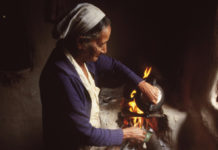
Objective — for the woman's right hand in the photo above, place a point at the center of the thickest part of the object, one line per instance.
(134, 133)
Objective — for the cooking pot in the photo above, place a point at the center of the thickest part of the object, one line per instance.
(145, 104)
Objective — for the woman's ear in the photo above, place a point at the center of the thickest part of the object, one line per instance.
(82, 42)
(79, 42)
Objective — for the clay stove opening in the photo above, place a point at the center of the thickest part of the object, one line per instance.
(124, 105)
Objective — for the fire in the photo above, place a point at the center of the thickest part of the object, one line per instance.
(147, 72)
(139, 121)
(136, 121)
(132, 104)
(133, 107)
(152, 122)
(133, 94)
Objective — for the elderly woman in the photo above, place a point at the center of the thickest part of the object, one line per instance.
(69, 83)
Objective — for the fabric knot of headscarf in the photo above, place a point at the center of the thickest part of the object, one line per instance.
(79, 20)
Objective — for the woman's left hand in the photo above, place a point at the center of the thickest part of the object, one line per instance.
(151, 91)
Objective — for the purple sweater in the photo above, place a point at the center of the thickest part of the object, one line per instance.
(66, 104)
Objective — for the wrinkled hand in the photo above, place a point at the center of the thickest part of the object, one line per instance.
(134, 133)
(151, 91)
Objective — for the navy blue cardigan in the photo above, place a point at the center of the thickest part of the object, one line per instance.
(66, 104)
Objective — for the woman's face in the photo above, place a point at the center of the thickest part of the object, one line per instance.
(95, 48)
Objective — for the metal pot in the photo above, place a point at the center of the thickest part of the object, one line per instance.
(145, 104)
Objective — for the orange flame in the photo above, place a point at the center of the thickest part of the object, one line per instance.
(133, 107)
(132, 95)
(136, 121)
(125, 122)
(139, 121)
(147, 72)
(151, 122)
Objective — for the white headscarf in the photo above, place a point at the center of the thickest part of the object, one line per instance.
(80, 20)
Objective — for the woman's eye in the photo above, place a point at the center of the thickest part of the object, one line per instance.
(101, 45)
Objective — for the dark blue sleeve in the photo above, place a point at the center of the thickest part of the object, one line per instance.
(108, 64)
(79, 118)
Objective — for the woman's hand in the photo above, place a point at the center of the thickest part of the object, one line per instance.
(134, 133)
(151, 91)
